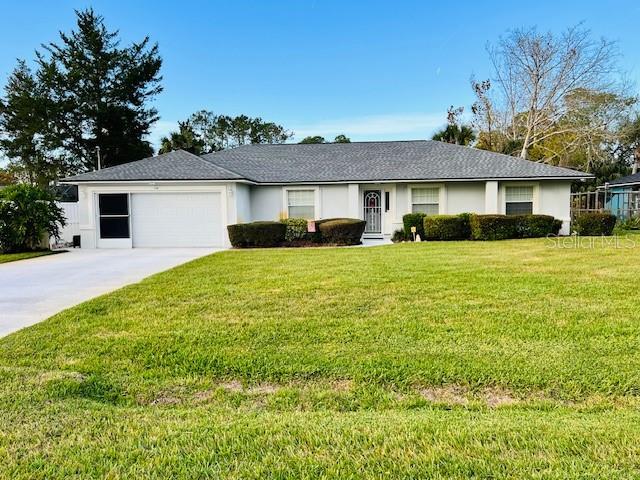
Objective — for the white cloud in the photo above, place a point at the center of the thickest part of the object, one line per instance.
(160, 129)
(397, 126)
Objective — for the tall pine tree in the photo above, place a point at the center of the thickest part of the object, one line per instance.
(101, 93)
(24, 139)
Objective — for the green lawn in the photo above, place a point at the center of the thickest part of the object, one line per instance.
(512, 359)
(12, 257)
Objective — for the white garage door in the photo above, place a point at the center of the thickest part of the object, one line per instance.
(176, 220)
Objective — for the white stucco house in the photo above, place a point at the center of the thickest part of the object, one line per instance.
(182, 200)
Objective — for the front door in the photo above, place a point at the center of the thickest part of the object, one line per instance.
(373, 211)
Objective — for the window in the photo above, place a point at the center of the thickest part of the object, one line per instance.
(518, 200)
(114, 215)
(301, 204)
(66, 193)
(425, 200)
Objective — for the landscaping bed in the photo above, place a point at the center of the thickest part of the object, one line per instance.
(297, 232)
(471, 226)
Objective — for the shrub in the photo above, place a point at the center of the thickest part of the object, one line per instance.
(398, 236)
(341, 231)
(447, 227)
(502, 227)
(557, 226)
(257, 234)
(28, 216)
(594, 223)
(632, 223)
(413, 220)
(493, 227)
(296, 229)
(532, 226)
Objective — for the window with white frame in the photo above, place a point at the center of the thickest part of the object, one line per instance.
(301, 204)
(425, 200)
(518, 200)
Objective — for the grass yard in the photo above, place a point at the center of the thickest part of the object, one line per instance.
(512, 359)
(13, 257)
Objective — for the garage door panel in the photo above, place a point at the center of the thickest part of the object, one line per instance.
(177, 219)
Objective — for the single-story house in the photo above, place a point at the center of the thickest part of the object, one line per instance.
(179, 199)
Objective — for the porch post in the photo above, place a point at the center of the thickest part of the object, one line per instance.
(491, 197)
(353, 201)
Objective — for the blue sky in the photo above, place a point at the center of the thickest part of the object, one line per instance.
(372, 70)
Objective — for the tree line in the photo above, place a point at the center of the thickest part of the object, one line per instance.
(86, 99)
(559, 99)
(205, 132)
(86, 103)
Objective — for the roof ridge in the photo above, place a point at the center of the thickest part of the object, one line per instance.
(327, 143)
(226, 169)
(209, 164)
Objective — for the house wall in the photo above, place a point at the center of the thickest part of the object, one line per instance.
(550, 198)
(345, 200)
(243, 203)
(463, 197)
(456, 197)
(266, 202)
(334, 201)
(555, 199)
(88, 208)
(402, 205)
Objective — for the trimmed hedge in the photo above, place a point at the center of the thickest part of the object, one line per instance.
(494, 227)
(296, 229)
(257, 234)
(502, 227)
(341, 231)
(290, 232)
(532, 226)
(594, 223)
(447, 227)
(413, 220)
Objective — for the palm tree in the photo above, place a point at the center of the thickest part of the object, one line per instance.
(458, 134)
(184, 139)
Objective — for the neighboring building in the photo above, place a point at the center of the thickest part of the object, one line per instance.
(622, 196)
(179, 199)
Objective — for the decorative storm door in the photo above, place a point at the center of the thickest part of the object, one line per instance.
(373, 211)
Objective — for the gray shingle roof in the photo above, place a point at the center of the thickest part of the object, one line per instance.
(374, 161)
(176, 165)
(333, 162)
(635, 178)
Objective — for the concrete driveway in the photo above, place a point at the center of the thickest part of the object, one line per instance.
(33, 290)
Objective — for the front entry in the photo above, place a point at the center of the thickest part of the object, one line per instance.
(373, 212)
